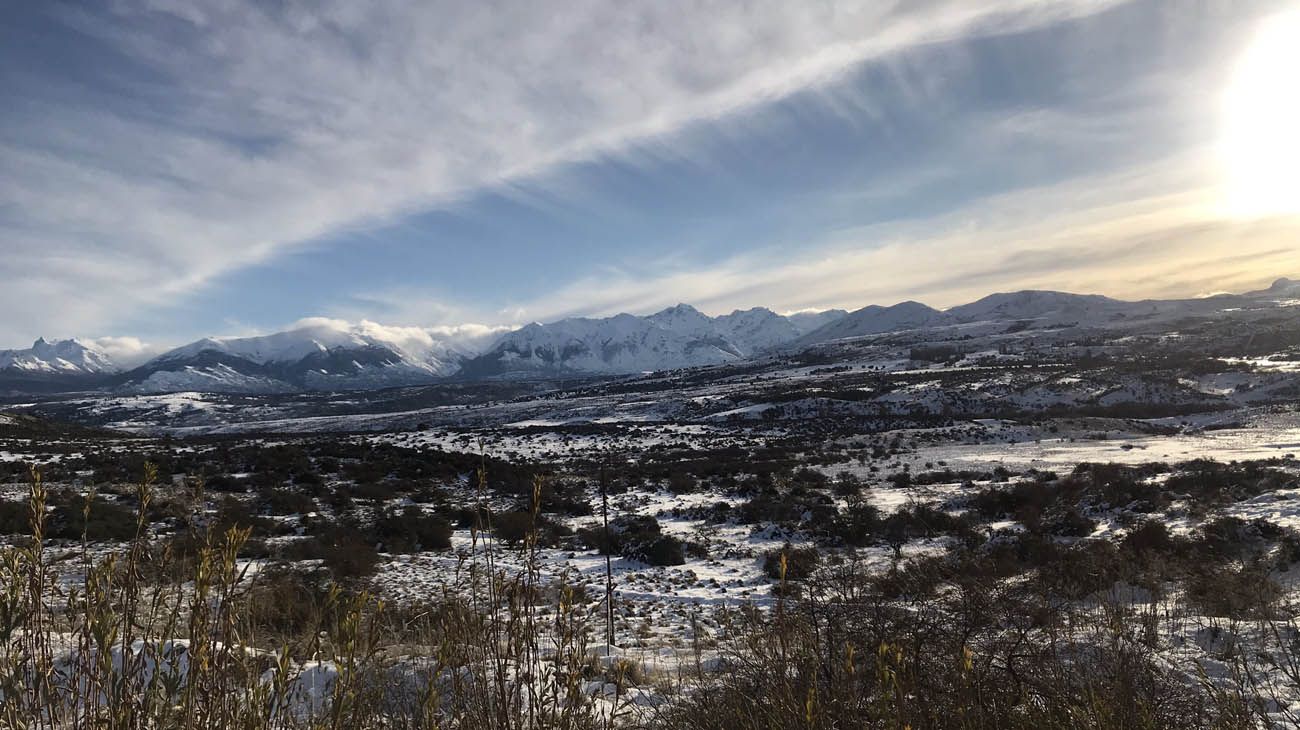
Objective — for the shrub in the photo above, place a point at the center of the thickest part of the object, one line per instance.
(411, 530)
(632, 530)
(847, 484)
(283, 602)
(858, 525)
(799, 562)
(105, 521)
(697, 550)
(512, 527)
(1226, 538)
(284, 501)
(1072, 523)
(637, 537)
(901, 480)
(661, 551)
(233, 512)
(14, 518)
(679, 482)
(1151, 537)
(1082, 570)
(347, 554)
(565, 497)
(1237, 592)
(920, 521)
(224, 483)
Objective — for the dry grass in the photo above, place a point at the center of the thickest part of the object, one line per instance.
(156, 637)
(179, 635)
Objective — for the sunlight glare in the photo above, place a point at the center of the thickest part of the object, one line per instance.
(1260, 146)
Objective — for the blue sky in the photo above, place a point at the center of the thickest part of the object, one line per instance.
(171, 169)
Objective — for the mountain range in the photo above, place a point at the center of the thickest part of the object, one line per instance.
(317, 355)
(676, 337)
(321, 354)
(59, 357)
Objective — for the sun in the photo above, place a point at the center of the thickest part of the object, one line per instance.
(1260, 143)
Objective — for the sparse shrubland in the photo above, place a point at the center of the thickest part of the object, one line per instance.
(207, 643)
(1026, 601)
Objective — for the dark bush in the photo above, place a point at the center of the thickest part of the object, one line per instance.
(1235, 592)
(1080, 571)
(1152, 537)
(1072, 523)
(858, 525)
(411, 530)
(283, 603)
(847, 484)
(106, 520)
(512, 527)
(284, 501)
(234, 512)
(224, 483)
(1227, 538)
(565, 498)
(920, 521)
(637, 537)
(679, 482)
(663, 550)
(14, 518)
(799, 562)
(347, 554)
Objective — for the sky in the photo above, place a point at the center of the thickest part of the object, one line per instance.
(171, 169)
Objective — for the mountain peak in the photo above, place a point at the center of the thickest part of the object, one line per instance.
(1035, 304)
(675, 337)
(753, 311)
(873, 319)
(57, 357)
(680, 315)
(679, 309)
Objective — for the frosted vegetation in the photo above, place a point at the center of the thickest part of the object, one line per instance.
(332, 581)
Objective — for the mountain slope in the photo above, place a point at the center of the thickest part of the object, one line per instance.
(317, 355)
(1283, 288)
(874, 320)
(675, 337)
(755, 330)
(62, 366)
(805, 322)
(61, 357)
(1059, 307)
(1035, 308)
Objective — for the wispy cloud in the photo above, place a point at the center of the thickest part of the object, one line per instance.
(126, 351)
(410, 339)
(1146, 232)
(217, 136)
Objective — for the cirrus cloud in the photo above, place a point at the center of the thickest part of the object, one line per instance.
(193, 140)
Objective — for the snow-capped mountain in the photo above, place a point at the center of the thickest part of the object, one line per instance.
(759, 329)
(1032, 309)
(318, 354)
(60, 357)
(874, 320)
(809, 321)
(1284, 288)
(676, 337)
(755, 330)
(1059, 307)
(324, 354)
